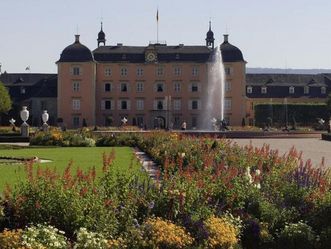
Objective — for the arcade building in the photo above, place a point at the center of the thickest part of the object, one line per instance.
(153, 86)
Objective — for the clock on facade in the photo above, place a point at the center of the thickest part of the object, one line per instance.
(150, 56)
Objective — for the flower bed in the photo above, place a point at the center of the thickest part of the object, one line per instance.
(213, 195)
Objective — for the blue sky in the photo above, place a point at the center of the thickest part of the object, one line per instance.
(270, 33)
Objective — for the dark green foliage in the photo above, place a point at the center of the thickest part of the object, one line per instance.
(5, 101)
(303, 114)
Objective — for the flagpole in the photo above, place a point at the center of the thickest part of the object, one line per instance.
(157, 25)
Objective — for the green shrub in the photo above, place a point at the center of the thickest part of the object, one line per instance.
(296, 235)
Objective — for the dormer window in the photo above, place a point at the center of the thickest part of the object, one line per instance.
(306, 90)
(249, 89)
(264, 90)
(291, 90)
(22, 90)
(323, 90)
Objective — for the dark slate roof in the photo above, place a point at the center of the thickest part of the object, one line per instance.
(76, 52)
(35, 84)
(287, 79)
(231, 53)
(164, 53)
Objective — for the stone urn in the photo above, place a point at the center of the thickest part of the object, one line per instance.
(24, 114)
(45, 116)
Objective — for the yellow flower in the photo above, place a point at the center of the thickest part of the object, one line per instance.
(221, 233)
(160, 233)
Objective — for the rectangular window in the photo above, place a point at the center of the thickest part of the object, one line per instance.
(140, 71)
(228, 70)
(140, 87)
(140, 121)
(227, 86)
(177, 71)
(323, 90)
(159, 104)
(107, 105)
(159, 87)
(177, 104)
(194, 105)
(124, 105)
(124, 71)
(140, 104)
(264, 90)
(75, 121)
(306, 90)
(291, 89)
(76, 71)
(249, 89)
(75, 86)
(194, 87)
(159, 71)
(195, 71)
(108, 71)
(227, 104)
(194, 122)
(108, 87)
(76, 104)
(177, 86)
(124, 87)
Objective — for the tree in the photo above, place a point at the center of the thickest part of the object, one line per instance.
(328, 104)
(5, 101)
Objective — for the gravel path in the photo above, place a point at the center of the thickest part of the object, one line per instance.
(312, 148)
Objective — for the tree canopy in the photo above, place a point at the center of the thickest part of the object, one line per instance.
(5, 101)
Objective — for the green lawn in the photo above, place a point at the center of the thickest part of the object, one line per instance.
(82, 157)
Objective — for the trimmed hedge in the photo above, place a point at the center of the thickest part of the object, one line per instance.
(304, 114)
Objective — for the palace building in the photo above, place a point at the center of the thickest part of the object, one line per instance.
(153, 86)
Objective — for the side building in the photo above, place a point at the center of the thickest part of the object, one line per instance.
(154, 86)
(37, 91)
(286, 89)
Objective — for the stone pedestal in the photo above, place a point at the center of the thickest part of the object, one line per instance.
(25, 130)
(45, 127)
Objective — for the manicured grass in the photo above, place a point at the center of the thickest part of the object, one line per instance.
(82, 157)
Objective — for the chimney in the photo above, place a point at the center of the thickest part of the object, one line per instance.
(226, 38)
(76, 38)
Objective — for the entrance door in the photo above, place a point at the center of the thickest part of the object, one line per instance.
(159, 122)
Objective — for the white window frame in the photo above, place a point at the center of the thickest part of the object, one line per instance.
(119, 105)
(140, 71)
(264, 90)
(159, 71)
(323, 90)
(124, 85)
(76, 104)
(191, 101)
(140, 104)
(227, 86)
(139, 87)
(76, 70)
(108, 71)
(157, 84)
(110, 86)
(194, 85)
(124, 71)
(195, 71)
(177, 71)
(227, 104)
(76, 86)
(249, 89)
(177, 86)
(291, 90)
(306, 90)
(177, 104)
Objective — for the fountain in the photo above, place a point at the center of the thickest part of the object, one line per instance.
(214, 96)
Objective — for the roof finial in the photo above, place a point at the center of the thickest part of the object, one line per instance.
(101, 25)
(209, 24)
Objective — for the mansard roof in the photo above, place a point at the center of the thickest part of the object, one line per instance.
(164, 53)
(287, 80)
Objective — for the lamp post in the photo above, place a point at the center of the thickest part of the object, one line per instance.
(24, 114)
(45, 117)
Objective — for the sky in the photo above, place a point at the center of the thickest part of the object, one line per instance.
(270, 33)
